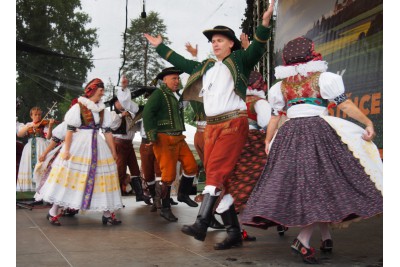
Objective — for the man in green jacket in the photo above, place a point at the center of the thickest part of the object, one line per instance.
(164, 123)
(221, 85)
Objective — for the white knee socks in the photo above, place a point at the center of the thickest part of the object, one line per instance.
(305, 235)
(324, 229)
(53, 210)
(107, 213)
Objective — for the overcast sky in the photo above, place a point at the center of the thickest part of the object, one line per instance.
(185, 21)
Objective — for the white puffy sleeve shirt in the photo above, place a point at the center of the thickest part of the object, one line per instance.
(263, 110)
(60, 131)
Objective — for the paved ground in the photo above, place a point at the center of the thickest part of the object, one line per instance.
(146, 239)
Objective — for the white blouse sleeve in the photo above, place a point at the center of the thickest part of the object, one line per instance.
(60, 131)
(331, 86)
(124, 97)
(263, 110)
(73, 116)
(115, 120)
(275, 98)
(107, 120)
(19, 126)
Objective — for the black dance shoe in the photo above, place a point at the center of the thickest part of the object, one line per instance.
(68, 212)
(281, 230)
(173, 202)
(111, 220)
(307, 254)
(326, 245)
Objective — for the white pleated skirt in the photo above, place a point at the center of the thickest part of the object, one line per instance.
(66, 183)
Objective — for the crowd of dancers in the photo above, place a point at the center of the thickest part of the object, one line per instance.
(280, 161)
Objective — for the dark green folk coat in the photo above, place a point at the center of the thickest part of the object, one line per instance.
(162, 113)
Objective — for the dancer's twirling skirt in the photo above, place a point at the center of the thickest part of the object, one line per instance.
(311, 176)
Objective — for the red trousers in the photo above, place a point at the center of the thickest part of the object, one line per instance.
(199, 144)
(223, 144)
(126, 157)
(149, 164)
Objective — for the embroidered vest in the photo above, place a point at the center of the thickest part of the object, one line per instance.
(122, 128)
(300, 86)
(87, 115)
(303, 90)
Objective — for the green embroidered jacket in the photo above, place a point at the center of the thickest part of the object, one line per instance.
(162, 113)
(239, 63)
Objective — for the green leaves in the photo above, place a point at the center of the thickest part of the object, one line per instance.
(57, 26)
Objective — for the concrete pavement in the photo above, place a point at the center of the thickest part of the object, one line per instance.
(146, 239)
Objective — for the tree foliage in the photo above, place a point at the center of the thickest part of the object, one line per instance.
(56, 26)
(142, 62)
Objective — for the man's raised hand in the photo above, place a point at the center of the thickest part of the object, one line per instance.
(268, 14)
(154, 41)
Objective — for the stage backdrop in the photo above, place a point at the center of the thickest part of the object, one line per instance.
(349, 35)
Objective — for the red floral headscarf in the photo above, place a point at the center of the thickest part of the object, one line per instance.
(299, 51)
(256, 81)
(92, 87)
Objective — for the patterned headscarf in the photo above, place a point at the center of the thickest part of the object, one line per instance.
(299, 51)
(92, 87)
(256, 81)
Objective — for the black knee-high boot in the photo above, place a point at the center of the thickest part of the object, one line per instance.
(199, 229)
(185, 188)
(136, 184)
(166, 205)
(231, 222)
(215, 224)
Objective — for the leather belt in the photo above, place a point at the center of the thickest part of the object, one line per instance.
(122, 141)
(226, 116)
(173, 133)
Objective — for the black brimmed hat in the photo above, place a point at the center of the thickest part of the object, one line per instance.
(168, 71)
(223, 30)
